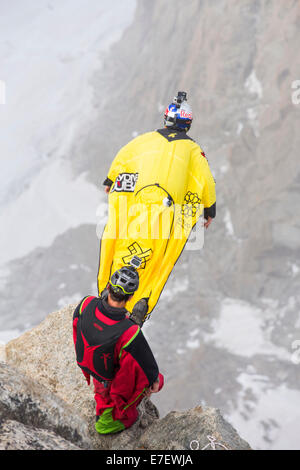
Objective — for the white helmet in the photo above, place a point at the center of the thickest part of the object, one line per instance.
(179, 114)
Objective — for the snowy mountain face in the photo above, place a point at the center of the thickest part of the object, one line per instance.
(232, 311)
(49, 53)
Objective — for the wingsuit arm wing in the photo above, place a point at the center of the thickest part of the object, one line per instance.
(118, 164)
(208, 182)
(209, 192)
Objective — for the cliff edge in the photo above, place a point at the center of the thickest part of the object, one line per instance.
(46, 404)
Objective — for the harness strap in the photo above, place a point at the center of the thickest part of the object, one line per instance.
(130, 341)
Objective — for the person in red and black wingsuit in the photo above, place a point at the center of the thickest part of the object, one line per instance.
(112, 349)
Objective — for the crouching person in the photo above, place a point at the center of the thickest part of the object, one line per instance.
(113, 350)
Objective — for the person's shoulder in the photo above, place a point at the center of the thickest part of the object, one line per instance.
(144, 136)
(85, 302)
(128, 337)
(198, 151)
(137, 140)
(130, 333)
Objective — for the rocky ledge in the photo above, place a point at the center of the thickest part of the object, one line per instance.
(45, 403)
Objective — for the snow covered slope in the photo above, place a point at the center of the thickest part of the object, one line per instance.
(49, 51)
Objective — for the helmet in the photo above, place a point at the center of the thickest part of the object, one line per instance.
(179, 114)
(125, 280)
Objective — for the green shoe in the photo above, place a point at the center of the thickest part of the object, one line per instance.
(107, 425)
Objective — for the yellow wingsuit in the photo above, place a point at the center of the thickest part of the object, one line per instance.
(160, 183)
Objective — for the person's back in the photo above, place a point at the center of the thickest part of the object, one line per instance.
(166, 157)
(112, 349)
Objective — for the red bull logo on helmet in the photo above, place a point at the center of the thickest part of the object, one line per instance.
(185, 115)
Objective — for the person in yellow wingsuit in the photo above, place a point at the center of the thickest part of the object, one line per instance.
(159, 184)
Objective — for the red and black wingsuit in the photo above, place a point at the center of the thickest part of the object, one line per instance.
(111, 347)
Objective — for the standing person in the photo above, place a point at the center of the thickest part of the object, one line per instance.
(112, 349)
(159, 185)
